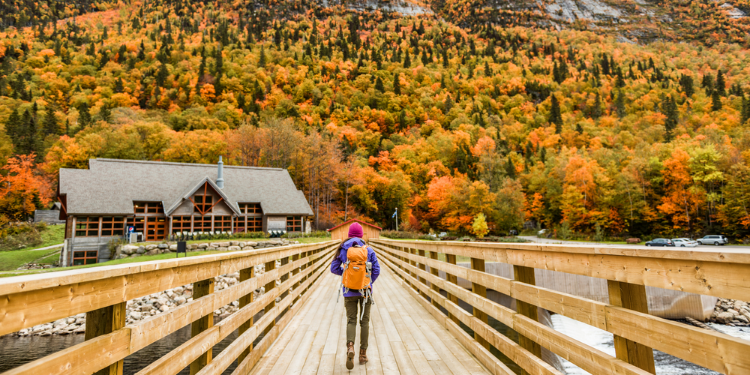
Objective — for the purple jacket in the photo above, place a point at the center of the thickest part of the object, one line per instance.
(341, 259)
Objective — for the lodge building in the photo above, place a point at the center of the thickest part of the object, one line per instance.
(161, 198)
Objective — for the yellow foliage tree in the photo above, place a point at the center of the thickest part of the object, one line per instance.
(479, 227)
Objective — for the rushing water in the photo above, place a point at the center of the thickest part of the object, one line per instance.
(16, 351)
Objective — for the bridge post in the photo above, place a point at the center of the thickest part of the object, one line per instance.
(422, 267)
(246, 274)
(102, 321)
(480, 290)
(200, 289)
(633, 297)
(434, 271)
(270, 266)
(450, 258)
(295, 271)
(526, 275)
(284, 277)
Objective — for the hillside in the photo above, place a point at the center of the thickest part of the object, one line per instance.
(373, 111)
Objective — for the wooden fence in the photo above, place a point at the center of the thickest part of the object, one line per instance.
(102, 294)
(628, 270)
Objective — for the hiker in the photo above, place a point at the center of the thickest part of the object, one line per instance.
(357, 264)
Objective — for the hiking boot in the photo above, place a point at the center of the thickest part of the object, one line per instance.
(362, 356)
(350, 356)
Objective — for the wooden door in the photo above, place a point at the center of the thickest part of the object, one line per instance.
(156, 228)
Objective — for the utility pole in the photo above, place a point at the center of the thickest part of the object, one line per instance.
(396, 214)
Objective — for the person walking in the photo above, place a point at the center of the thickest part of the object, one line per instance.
(358, 266)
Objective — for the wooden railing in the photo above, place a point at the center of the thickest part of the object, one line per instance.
(628, 270)
(102, 294)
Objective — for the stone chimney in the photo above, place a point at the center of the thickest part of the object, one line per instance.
(220, 177)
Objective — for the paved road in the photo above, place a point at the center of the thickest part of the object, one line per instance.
(554, 241)
(47, 247)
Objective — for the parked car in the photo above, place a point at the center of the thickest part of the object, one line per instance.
(713, 240)
(660, 242)
(684, 242)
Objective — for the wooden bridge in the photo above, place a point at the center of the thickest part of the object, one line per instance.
(417, 324)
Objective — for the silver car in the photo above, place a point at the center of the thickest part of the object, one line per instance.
(684, 242)
(713, 240)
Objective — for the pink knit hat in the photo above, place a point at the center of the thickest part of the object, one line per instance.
(355, 230)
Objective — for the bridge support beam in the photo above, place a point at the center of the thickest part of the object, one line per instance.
(422, 267)
(480, 290)
(200, 289)
(246, 274)
(526, 275)
(633, 297)
(102, 321)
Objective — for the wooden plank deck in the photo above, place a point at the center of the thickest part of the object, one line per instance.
(404, 337)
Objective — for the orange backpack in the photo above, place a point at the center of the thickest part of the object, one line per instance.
(356, 275)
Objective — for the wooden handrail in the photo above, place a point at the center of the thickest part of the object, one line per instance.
(110, 348)
(709, 349)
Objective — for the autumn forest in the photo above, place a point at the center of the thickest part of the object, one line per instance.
(373, 111)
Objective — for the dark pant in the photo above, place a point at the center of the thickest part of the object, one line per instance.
(352, 305)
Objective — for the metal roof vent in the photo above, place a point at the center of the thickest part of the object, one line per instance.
(220, 177)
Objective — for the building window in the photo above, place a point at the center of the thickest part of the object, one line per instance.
(139, 224)
(81, 258)
(254, 224)
(148, 208)
(87, 226)
(181, 224)
(251, 208)
(113, 226)
(222, 224)
(239, 224)
(201, 223)
(294, 223)
(203, 204)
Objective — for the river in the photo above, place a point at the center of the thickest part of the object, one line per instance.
(17, 351)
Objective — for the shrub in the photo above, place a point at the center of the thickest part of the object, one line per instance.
(317, 233)
(400, 234)
(21, 235)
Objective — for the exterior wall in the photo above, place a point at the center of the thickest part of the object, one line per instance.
(368, 232)
(47, 216)
(275, 223)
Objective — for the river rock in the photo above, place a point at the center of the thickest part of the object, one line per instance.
(135, 315)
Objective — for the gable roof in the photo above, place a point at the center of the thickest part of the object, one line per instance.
(111, 186)
(234, 207)
(357, 220)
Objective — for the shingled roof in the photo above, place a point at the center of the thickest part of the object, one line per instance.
(110, 186)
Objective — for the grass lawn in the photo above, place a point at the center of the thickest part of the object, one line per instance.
(11, 260)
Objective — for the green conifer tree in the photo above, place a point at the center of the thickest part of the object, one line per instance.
(715, 101)
(51, 126)
(555, 115)
(396, 85)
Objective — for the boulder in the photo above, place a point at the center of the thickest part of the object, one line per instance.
(253, 244)
(224, 244)
(234, 243)
(153, 252)
(163, 246)
(151, 247)
(129, 249)
(135, 255)
(122, 256)
(173, 247)
(248, 248)
(234, 248)
(214, 244)
(141, 250)
(202, 246)
(725, 317)
(223, 248)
